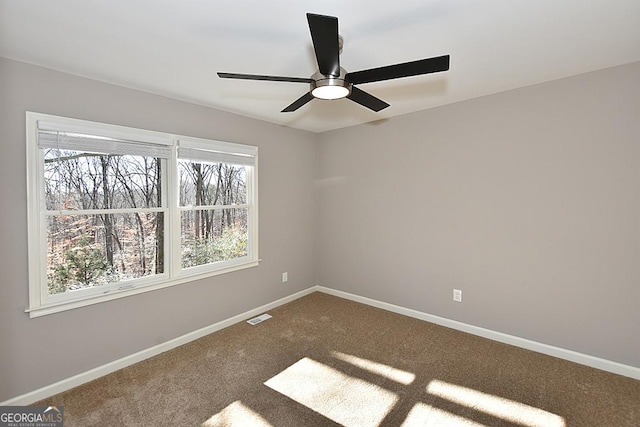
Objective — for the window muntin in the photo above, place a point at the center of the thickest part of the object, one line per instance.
(115, 211)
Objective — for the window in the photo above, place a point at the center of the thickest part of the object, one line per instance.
(115, 211)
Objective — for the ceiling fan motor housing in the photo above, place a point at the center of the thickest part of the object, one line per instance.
(330, 87)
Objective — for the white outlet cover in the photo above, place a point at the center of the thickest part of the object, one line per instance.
(457, 295)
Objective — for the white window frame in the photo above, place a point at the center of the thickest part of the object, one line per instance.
(41, 302)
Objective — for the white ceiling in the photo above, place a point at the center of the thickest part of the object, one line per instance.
(174, 48)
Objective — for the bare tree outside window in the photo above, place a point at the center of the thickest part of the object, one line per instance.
(212, 230)
(84, 249)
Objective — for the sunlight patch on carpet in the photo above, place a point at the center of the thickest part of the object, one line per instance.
(425, 415)
(499, 407)
(394, 374)
(343, 399)
(236, 414)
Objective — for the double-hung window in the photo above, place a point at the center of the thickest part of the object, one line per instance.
(114, 211)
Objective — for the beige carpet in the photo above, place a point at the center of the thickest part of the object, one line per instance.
(326, 361)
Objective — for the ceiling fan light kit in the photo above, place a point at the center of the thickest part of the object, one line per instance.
(332, 81)
(330, 87)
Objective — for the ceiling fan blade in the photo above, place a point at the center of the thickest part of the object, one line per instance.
(260, 77)
(324, 33)
(367, 100)
(406, 69)
(298, 103)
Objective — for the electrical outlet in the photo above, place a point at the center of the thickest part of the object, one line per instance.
(285, 277)
(457, 295)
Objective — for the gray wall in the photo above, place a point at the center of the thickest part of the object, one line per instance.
(528, 201)
(38, 352)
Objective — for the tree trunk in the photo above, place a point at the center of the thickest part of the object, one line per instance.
(198, 169)
(159, 222)
(108, 224)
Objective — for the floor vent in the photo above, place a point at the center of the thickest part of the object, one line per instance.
(259, 319)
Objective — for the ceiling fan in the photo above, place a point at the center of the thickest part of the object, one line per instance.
(332, 81)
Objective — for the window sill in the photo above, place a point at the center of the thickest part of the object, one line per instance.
(46, 309)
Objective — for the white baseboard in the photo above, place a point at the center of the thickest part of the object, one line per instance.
(84, 377)
(573, 356)
(76, 380)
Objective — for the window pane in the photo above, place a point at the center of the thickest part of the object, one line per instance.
(212, 235)
(204, 184)
(84, 251)
(75, 180)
